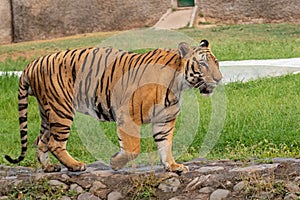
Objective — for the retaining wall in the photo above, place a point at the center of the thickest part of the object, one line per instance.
(250, 11)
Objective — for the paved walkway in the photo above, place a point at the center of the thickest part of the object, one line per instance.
(175, 19)
(252, 69)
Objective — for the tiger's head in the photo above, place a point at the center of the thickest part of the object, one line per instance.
(201, 67)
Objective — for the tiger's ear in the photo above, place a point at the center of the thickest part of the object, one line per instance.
(204, 43)
(183, 49)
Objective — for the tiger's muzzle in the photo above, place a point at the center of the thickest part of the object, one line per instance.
(206, 89)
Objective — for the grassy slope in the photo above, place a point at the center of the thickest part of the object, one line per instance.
(262, 118)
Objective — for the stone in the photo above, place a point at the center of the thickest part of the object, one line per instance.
(65, 198)
(88, 196)
(198, 181)
(179, 198)
(239, 186)
(291, 197)
(219, 194)
(210, 169)
(201, 197)
(297, 179)
(266, 195)
(206, 190)
(169, 185)
(102, 173)
(293, 188)
(97, 187)
(255, 168)
(57, 183)
(115, 195)
(102, 193)
(76, 188)
(83, 183)
(64, 177)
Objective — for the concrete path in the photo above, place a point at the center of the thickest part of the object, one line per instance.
(252, 69)
(175, 19)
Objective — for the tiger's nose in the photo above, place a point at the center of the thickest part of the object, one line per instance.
(218, 78)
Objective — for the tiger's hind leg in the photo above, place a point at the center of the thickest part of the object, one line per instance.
(41, 144)
(59, 133)
(129, 140)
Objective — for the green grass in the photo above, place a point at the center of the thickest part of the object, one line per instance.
(262, 121)
(237, 42)
(262, 117)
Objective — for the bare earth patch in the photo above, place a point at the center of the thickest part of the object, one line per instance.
(213, 180)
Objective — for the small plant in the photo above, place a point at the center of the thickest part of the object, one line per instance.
(258, 186)
(144, 186)
(40, 189)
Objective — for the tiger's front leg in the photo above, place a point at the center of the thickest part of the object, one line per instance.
(129, 140)
(163, 135)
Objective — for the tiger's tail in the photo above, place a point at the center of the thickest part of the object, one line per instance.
(23, 110)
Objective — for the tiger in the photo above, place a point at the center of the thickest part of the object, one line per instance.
(113, 85)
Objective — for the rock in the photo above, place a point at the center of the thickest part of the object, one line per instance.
(98, 185)
(291, 197)
(76, 188)
(57, 183)
(219, 194)
(210, 169)
(255, 168)
(83, 183)
(179, 198)
(198, 181)
(292, 187)
(201, 197)
(169, 185)
(115, 195)
(64, 177)
(102, 193)
(175, 198)
(297, 179)
(65, 198)
(102, 173)
(266, 195)
(206, 190)
(88, 196)
(239, 186)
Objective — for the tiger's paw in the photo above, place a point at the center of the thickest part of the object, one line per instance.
(120, 159)
(177, 168)
(52, 168)
(78, 167)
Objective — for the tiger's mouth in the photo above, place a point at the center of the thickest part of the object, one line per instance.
(206, 89)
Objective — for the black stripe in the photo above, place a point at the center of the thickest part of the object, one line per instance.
(80, 54)
(108, 52)
(141, 113)
(166, 64)
(23, 106)
(22, 119)
(98, 65)
(66, 52)
(23, 133)
(164, 133)
(160, 139)
(24, 141)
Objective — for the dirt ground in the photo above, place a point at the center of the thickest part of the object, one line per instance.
(223, 179)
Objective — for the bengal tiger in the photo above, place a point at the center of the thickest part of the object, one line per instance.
(109, 84)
